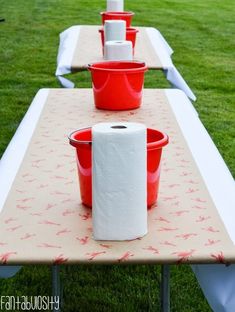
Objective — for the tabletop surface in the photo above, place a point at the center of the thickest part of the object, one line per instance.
(89, 49)
(43, 220)
(81, 45)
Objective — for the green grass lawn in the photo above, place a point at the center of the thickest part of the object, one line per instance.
(202, 35)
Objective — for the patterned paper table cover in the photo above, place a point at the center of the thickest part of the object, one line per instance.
(43, 221)
(90, 37)
(81, 45)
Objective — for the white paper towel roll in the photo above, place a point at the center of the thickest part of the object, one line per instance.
(114, 30)
(118, 51)
(119, 181)
(115, 6)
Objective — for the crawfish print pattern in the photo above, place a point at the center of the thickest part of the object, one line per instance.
(82, 56)
(43, 220)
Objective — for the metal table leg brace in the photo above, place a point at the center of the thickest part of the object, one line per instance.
(56, 286)
(165, 288)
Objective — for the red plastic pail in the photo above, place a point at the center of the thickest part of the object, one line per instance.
(117, 85)
(125, 16)
(82, 141)
(130, 36)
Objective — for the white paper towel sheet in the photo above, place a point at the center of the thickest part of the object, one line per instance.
(114, 30)
(119, 181)
(118, 51)
(115, 6)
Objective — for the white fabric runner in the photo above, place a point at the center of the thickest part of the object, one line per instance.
(164, 51)
(218, 284)
(211, 165)
(69, 38)
(9, 271)
(216, 280)
(13, 156)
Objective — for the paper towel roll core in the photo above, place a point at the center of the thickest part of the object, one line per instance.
(118, 127)
(119, 179)
(118, 51)
(114, 30)
(115, 6)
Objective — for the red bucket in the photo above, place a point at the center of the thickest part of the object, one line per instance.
(82, 141)
(130, 36)
(126, 16)
(117, 85)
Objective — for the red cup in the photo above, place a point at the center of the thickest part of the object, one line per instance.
(125, 16)
(130, 36)
(117, 85)
(82, 141)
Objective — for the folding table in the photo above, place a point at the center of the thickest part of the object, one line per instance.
(81, 45)
(42, 219)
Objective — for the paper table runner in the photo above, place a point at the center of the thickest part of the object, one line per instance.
(43, 221)
(89, 49)
(81, 45)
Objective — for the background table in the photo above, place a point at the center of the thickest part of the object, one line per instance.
(81, 45)
(197, 140)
